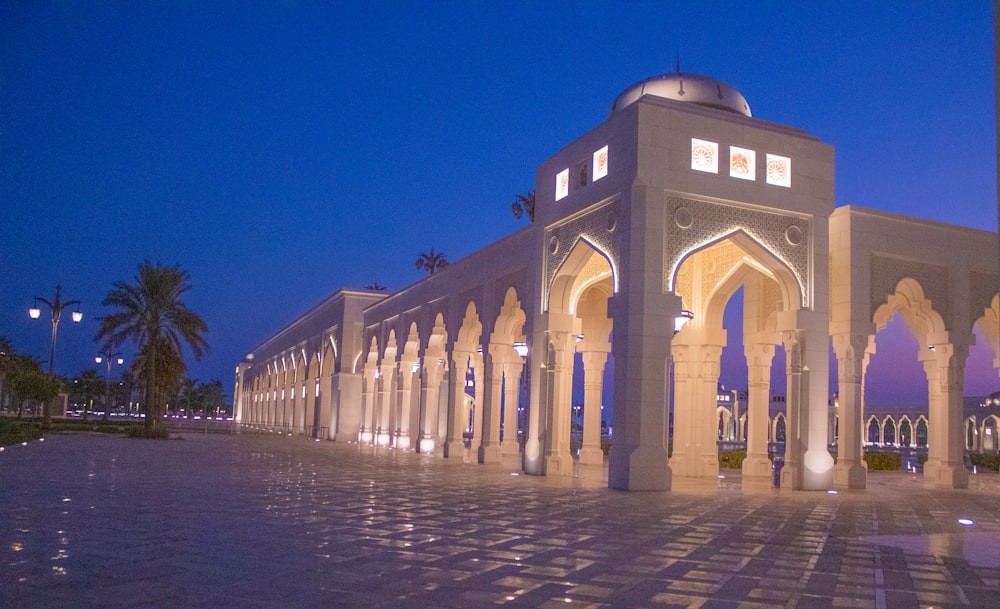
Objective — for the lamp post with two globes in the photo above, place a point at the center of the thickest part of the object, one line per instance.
(109, 357)
(56, 307)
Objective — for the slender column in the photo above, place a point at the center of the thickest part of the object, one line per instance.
(791, 473)
(850, 471)
(593, 388)
(477, 401)
(945, 368)
(696, 374)
(432, 371)
(382, 428)
(492, 404)
(756, 465)
(322, 426)
(458, 414)
(510, 449)
(366, 433)
(406, 373)
(557, 456)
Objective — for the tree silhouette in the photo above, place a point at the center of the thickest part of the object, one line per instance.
(151, 314)
(524, 204)
(432, 262)
(376, 286)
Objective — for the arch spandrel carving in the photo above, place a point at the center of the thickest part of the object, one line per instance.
(886, 273)
(598, 226)
(690, 224)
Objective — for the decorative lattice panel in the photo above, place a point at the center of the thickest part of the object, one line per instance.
(886, 273)
(599, 226)
(691, 224)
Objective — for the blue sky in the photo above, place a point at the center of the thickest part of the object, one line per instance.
(281, 150)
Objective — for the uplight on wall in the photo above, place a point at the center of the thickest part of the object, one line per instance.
(600, 163)
(562, 184)
(704, 156)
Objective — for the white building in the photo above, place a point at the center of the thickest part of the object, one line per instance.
(657, 215)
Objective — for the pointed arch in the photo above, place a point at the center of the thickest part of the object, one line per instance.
(586, 265)
(915, 309)
(755, 255)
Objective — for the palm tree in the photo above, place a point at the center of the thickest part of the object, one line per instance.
(151, 314)
(431, 262)
(524, 204)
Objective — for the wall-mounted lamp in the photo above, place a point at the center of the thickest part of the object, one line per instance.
(522, 349)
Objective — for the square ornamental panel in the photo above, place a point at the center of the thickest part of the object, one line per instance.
(779, 170)
(600, 163)
(562, 184)
(704, 156)
(742, 163)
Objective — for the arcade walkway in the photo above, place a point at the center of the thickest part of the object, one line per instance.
(268, 522)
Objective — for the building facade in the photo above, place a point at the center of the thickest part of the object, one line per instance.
(653, 218)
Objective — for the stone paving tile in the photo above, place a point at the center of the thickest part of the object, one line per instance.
(267, 522)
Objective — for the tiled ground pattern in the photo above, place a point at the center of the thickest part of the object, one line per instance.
(90, 521)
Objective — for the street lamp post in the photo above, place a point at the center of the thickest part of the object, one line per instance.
(109, 357)
(56, 307)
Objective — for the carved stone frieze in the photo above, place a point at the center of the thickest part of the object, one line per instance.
(692, 224)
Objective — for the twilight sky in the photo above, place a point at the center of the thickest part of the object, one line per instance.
(281, 150)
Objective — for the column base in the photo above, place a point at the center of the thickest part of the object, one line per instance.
(490, 454)
(640, 470)
(755, 468)
(454, 449)
(558, 465)
(591, 455)
(403, 442)
(941, 474)
(426, 445)
(706, 466)
(383, 439)
(850, 475)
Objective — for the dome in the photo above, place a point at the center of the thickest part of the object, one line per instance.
(685, 87)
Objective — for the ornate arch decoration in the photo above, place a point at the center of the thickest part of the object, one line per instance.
(915, 309)
(737, 253)
(784, 239)
(471, 329)
(585, 265)
(989, 325)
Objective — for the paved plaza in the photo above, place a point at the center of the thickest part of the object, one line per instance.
(245, 521)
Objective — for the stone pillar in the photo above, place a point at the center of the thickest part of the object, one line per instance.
(696, 378)
(641, 343)
(756, 465)
(366, 432)
(478, 400)
(383, 430)
(323, 425)
(458, 415)
(406, 373)
(558, 460)
(945, 368)
(490, 448)
(510, 449)
(851, 471)
(593, 388)
(430, 385)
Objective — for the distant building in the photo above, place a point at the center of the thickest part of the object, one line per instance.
(653, 218)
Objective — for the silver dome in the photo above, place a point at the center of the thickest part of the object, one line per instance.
(685, 87)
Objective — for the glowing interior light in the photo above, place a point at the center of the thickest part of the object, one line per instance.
(779, 170)
(562, 184)
(704, 156)
(682, 319)
(34, 312)
(77, 316)
(600, 163)
(742, 163)
(966, 522)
